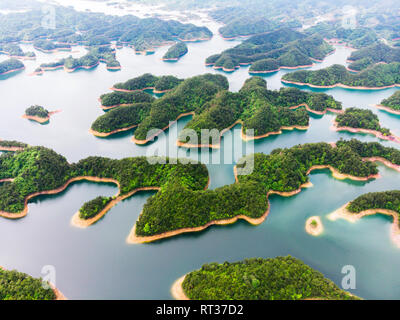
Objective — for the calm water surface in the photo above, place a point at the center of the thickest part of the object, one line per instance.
(97, 263)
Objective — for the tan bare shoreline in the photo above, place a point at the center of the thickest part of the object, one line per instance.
(376, 133)
(177, 291)
(57, 292)
(40, 119)
(338, 85)
(106, 134)
(344, 213)
(314, 230)
(387, 109)
(137, 90)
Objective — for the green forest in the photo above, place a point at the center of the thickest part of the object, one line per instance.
(215, 108)
(16, 285)
(268, 52)
(14, 50)
(117, 98)
(10, 65)
(93, 207)
(280, 278)
(37, 111)
(376, 53)
(149, 81)
(176, 51)
(360, 119)
(393, 102)
(379, 75)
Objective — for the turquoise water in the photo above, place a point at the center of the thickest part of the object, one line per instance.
(97, 263)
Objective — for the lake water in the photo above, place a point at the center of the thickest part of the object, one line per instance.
(96, 263)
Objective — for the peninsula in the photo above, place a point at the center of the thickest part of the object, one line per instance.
(11, 66)
(175, 52)
(391, 104)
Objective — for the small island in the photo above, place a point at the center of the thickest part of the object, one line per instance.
(386, 203)
(314, 226)
(14, 51)
(20, 286)
(283, 48)
(364, 121)
(376, 77)
(391, 104)
(12, 146)
(11, 66)
(280, 278)
(175, 52)
(38, 114)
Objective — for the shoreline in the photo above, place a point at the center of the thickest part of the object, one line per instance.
(57, 292)
(24, 212)
(144, 89)
(283, 68)
(314, 230)
(81, 67)
(40, 119)
(177, 291)
(11, 149)
(106, 134)
(344, 213)
(376, 133)
(12, 71)
(76, 221)
(387, 109)
(337, 85)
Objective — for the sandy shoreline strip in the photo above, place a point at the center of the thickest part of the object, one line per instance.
(387, 109)
(376, 133)
(338, 85)
(344, 213)
(40, 119)
(177, 291)
(106, 134)
(314, 230)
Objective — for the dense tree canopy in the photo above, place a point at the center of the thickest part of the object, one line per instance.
(10, 65)
(281, 278)
(393, 102)
(37, 111)
(178, 50)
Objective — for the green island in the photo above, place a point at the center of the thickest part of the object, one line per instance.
(14, 51)
(119, 98)
(280, 278)
(283, 48)
(175, 52)
(148, 81)
(11, 66)
(364, 119)
(182, 203)
(375, 53)
(49, 46)
(37, 111)
(93, 207)
(378, 76)
(391, 104)
(256, 107)
(16, 285)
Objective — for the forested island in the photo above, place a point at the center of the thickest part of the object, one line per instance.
(391, 104)
(47, 46)
(148, 81)
(378, 76)
(175, 52)
(283, 48)
(39, 114)
(362, 120)
(280, 278)
(387, 203)
(256, 107)
(16, 285)
(88, 61)
(376, 53)
(10, 66)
